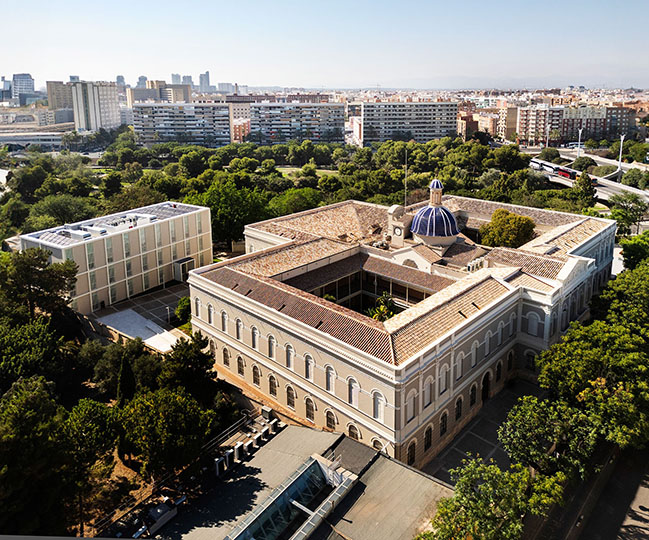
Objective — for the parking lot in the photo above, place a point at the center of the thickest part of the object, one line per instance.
(480, 436)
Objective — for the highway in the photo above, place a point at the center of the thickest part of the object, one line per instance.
(605, 188)
(568, 153)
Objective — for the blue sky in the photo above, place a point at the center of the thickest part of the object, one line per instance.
(309, 43)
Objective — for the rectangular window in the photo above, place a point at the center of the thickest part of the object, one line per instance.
(145, 263)
(158, 235)
(109, 250)
(201, 259)
(131, 288)
(186, 226)
(187, 248)
(68, 255)
(199, 224)
(90, 252)
(111, 274)
(93, 280)
(127, 245)
(113, 294)
(172, 230)
(161, 276)
(159, 257)
(174, 252)
(200, 243)
(142, 240)
(146, 281)
(95, 301)
(129, 269)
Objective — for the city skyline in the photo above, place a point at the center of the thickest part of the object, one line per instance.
(342, 46)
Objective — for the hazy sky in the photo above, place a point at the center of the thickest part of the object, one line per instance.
(333, 43)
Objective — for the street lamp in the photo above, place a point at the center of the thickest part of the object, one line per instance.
(547, 135)
(168, 315)
(619, 164)
(405, 181)
(579, 143)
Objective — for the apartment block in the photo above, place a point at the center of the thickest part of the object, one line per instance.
(159, 91)
(59, 95)
(122, 255)
(49, 117)
(535, 122)
(507, 117)
(419, 121)
(592, 120)
(21, 83)
(95, 105)
(206, 124)
(272, 123)
(619, 120)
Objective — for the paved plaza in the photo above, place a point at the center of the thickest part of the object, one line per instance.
(480, 436)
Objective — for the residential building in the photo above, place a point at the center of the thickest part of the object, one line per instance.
(120, 81)
(507, 118)
(206, 124)
(175, 78)
(204, 82)
(187, 79)
(59, 95)
(487, 122)
(272, 123)
(122, 255)
(466, 125)
(141, 82)
(225, 88)
(126, 116)
(159, 91)
(536, 122)
(48, 117)
(21, 83)
(240, 129)
(95, 105)
(74, 78)
(5, 89)
(418, 121)
(619, 121)
(287, 324)
(591, 120)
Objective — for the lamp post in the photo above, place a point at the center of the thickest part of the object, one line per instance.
(619, 164)
(168, 315)
(547, 135)
(579, 143)
(405, 182)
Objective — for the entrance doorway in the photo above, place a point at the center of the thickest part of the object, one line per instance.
(486, 383)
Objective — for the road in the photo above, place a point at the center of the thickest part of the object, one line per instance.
(605, 188)
(567, 153)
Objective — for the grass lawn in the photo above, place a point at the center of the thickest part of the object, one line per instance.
(320, 172)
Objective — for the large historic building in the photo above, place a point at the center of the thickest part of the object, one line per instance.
(287, 321)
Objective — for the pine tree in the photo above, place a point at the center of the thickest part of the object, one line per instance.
(585, 190)
(126, 382)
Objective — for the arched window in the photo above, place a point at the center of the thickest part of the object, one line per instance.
(474, 353)
(499, 371)
(271, 347)
(443, 380)
(308, 367)
(353, 389)
(354, 433)
(290, 397)
(533, 324)
(487, 343)
(377, 445)
(443, 424)
(226, 357)
(210, 314)
(378, 403)
(553, 323)
(412, 448)
(239, 329)
(290, 355)
(255, 337)
(331, 379)
(512, 324)
(458, 408)
(224, 321)
(212, 348)
(197, 307)
(411, 406)
(501, 330)
(331, 420)
(272, 386)
(428, 392)
(458, 366)
(428, 438)
(256, 375)
(510, 360)
(310, 410)
(529, 361)
(564, 318)
(240, 366)
(473, 395)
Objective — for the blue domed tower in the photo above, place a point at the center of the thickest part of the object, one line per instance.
(435, 224)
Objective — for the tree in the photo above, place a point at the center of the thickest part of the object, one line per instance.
(625, 300)
(126, 382)
(383, 309)
(167, 428)
(108, 368)
(584, 162)
(591, 144)
(601, 368)
(192, 163)
(507, 229)
(32, 460)
(232, 208)
(62, 209)
(548, 435)
(628, 209)
(111, 184)
(490, 504)
(32, 281)
(585, 190)
(635, 250)
(635, 178)
(295, 200)
(90, 436)
(184, 310)
(549, 154)
(133, 197)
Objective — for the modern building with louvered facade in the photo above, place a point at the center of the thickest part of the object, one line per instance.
(289, 322)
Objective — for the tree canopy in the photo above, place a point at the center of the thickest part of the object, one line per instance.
(507, 229)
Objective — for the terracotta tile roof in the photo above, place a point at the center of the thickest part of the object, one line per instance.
(460, 254)
(538, 265)
(326, 274)
(357, 330)
(528, 281)
(285, 232)
(414, 336)
(349, 221)
(427, 253)
(287, 257)
(569, 237)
